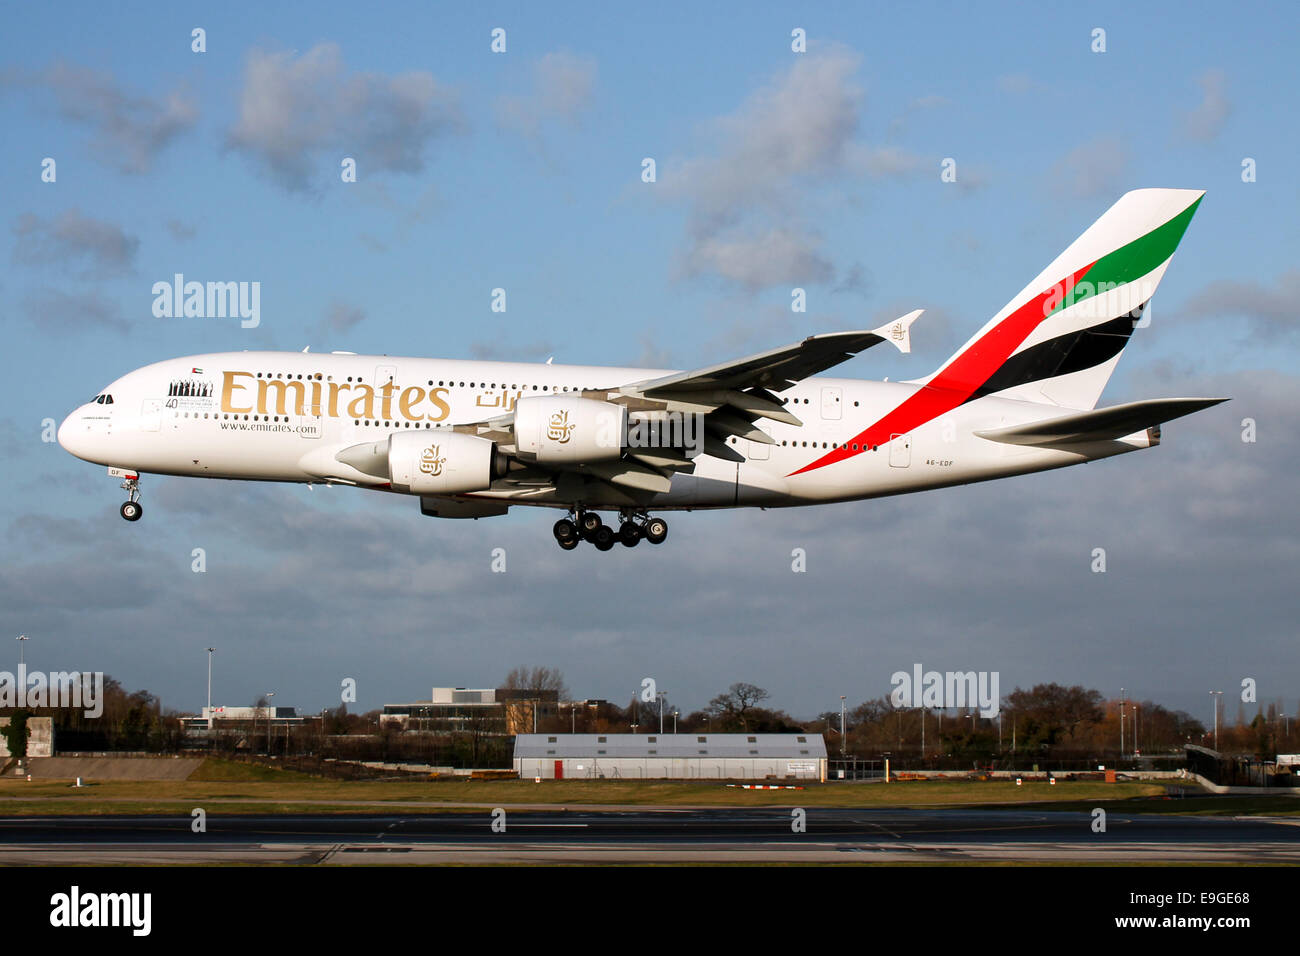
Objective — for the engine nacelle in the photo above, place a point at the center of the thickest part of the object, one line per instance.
(442, 462)
(569, 430)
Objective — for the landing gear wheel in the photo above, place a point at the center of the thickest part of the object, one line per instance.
(603, 537)
(568, 544)
(565, 530)
(131, 510)
(656, 530)
(589, 522)
(629, 533)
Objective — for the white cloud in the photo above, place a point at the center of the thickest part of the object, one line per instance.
(300, 116)
(753, 198)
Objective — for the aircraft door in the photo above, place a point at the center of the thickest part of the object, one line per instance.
(151, 415)
(900, 451)
(832, 403)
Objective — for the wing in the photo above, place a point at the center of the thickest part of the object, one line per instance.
(734, 395)
(780, 368)
(1102, 424)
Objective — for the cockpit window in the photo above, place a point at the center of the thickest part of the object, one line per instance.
(104, 399)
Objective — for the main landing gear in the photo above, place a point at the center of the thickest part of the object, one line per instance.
(131, 509)
(588, 525)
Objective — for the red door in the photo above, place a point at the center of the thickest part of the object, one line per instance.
(559, 770)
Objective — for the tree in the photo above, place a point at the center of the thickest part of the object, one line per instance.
(537, 679)
(735, 707)
(15, 734)
(1050, 714)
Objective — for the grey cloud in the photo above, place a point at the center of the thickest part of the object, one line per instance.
(99, 247)
(60, 311)
(129, 129)
(1095, 169)
(562, 91)
(1018, 83)
(1206, 121)
(300, 116)
(340, 317)
(510, 351)
(181, 231)
(1271, 309)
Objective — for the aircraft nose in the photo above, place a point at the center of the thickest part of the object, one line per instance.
(74, 435)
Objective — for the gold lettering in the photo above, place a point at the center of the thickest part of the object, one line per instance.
(335, 388)
(438, 399)
(386, 406)
(227, 392)
(363, 406)
(265, 386)
(411, 396)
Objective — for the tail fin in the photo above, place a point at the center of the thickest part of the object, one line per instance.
(1059, 340)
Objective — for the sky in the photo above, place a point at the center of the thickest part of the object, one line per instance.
(524, 169)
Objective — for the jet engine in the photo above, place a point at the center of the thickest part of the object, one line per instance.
(559, 429)
(429, 462)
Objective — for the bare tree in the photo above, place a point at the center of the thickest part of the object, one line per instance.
(734, 707)
(537, 679)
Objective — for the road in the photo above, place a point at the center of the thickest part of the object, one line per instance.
(684, 835)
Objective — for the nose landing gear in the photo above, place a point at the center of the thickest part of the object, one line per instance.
(131, 509)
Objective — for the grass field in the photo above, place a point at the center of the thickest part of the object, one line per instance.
(227, 787)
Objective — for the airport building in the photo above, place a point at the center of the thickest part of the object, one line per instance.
(750, 757)
(241, 717)
(499, 710)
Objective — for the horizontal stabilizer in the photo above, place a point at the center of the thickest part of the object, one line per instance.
(1102, 424)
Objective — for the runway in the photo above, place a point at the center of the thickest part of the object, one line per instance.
(652, 836)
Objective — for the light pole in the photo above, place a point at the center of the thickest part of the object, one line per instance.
(1121, 723)
(1216, 696)
(210, 650)
(661, 695)
(1137, 725)
(22, 645)
(674, 720)
(843, 745)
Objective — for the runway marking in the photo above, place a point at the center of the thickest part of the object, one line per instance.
(521, 825)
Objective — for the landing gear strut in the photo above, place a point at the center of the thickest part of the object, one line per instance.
(131, 509)
(633, 526)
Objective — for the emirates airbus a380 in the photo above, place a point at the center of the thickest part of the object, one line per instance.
(470, 439)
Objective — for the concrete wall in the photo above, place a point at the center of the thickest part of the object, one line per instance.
(40, 737)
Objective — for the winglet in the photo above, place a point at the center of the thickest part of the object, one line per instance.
(897, 331)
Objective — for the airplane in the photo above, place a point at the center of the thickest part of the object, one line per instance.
(471, 439)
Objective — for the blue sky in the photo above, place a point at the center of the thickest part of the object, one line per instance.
(522, 170)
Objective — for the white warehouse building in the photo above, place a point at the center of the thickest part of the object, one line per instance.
(671, 756)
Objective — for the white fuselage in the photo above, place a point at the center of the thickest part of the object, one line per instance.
(235, 415)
